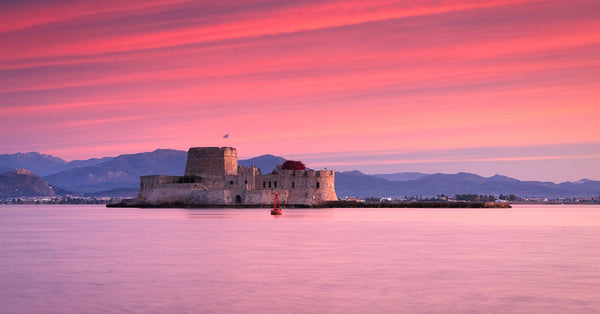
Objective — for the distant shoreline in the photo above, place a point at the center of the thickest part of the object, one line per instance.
(332, 204)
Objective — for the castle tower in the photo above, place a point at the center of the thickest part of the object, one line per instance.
(211, 161)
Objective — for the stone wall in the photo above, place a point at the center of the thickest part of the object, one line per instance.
(306, 187)
(169, 193)
(149, 182)
(217, 179)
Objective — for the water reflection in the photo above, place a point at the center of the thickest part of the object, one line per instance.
(261, 213)
(75, 259)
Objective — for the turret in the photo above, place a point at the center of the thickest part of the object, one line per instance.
(211, 161)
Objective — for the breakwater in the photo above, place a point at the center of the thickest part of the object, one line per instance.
(330, 204)
(423, 204)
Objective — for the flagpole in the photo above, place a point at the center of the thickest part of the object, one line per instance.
(225, 137)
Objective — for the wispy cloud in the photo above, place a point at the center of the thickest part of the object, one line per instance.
(251, 24)
(303, 77)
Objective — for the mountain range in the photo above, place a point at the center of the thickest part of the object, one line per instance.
(123, 171)
(117, 176)
(357, 184)
(42, 164)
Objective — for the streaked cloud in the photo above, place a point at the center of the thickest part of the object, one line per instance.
(302, 78)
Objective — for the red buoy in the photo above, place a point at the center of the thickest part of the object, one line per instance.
(276, 206)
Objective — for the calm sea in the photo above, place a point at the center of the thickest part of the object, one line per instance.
(93, 259)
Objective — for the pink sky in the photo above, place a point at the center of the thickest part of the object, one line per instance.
(483, 86)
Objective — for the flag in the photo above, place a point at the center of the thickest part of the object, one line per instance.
(226, 135)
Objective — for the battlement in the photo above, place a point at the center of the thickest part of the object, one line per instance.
(325, 173)
(306, 173)
(213, 151)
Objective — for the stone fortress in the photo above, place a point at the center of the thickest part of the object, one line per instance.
(213, 177)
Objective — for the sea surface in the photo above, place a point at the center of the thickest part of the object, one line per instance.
(93, 259)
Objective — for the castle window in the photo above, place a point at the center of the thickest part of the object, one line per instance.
(245, 181)
(269, 184)
(318, 185)
(293, 185)
(230, 182)
(264, 184)
(275, 184)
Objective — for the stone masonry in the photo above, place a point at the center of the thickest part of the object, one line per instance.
(213, 177)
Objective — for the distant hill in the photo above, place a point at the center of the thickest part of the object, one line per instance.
(581, 186)
(87, 162)
(266, 163)
(357, 184)
(401, 176)
(42, 164)
(123, 171)
(37, 163)
(21, 182)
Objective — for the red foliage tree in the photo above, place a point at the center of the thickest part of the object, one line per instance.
(293, 165)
